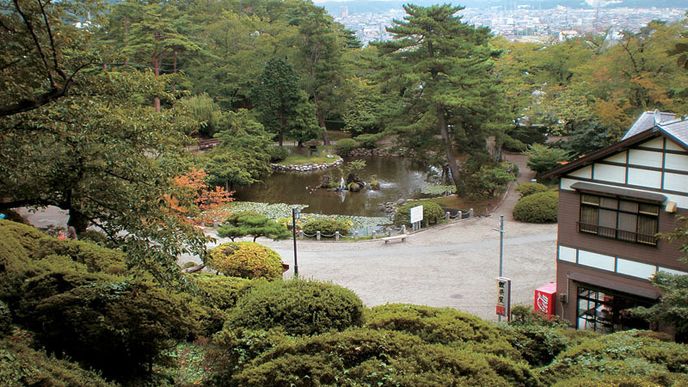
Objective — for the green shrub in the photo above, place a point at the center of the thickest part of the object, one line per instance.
(21, 365)
(538, 208)
(327, 226)
(623, 354)
(112, 324)
(526, 189)
(277, 153)
(300, 307)
(432, 213)
(514, 145)
(15, 264)
(434, 325)
(377, 357)
(542, 158)
(538, 345)
(244, 223)
(369, 140)
(490, 180)
(219, 291)
(95, 237)
(344, 146)
(246, 260)
(525, 315)
(96, 258)
(5, 319)
(529, 134)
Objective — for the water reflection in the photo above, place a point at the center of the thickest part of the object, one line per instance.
(399, 178)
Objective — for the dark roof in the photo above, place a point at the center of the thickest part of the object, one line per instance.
(620, 192)
(600, 153)
(648, 125)
(648, 120)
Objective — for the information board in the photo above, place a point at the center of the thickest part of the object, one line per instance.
(416, 214)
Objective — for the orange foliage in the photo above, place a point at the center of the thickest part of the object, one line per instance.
(194, 200)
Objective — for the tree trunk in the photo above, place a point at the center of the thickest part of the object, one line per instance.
(77, 220)
(448, 147)
(156, 69)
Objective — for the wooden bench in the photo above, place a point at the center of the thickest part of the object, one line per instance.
(401, 237)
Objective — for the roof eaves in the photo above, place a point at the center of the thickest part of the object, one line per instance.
(600, 153)
(670, 134)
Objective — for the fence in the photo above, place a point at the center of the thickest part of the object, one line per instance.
(382, 231)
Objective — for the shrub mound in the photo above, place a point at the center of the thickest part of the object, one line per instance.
(538, 208)
(21, 365)
(538, 345)
(300, 307)
(246, 260)
(377, 357)
(344, 146)
(116, 325)
(277, 153)
(327, 226)
(527, 189)
(432, 213)
(221, 292)
(369, 140)
(621, 355)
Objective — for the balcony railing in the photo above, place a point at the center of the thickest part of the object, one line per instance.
(613, 233)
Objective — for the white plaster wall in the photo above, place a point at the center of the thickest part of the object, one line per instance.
(644, 178)
(645, 158)
(676, 182)
(670, 145)
(657, 143)
(611, 173)
(585, 172)
(679, 162)
(599, 261)
(617, 158)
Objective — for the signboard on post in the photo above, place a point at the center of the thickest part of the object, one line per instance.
(416, 216)
(503, 297)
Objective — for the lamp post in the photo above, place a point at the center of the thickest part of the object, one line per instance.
(295, 213)
(501, 252)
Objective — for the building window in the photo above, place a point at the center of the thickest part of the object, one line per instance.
(619, 219)
(607, 311)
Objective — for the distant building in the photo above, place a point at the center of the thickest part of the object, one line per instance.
(612, 204)
(568, 34)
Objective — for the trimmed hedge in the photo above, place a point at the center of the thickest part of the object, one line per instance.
(432, 213)
(246, 260)
(344, 146)
(527, 189)
(538, 345)
(327, 226)
(539, 207)
(377, 357)
(300, 307)
(219, 291)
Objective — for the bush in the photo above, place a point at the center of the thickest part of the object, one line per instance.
(251, 223)
(491, 179)
(5, 319)
(300, 307)
(277, 153)
(21, 365)
(525, 315)
(96, 258)
(514, 145)
(344, 146)
(95, 237)
(537, 208)
(542, 158)
(113, 324)
(327, 226)
(246, 260)
(377, 357)
(538, 345)
(526, 189)
(432, 213)
(369, 140)
(622, 355)
(219, 291)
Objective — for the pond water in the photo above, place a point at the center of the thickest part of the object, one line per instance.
(399, 179)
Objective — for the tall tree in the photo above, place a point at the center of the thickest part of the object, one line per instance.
(283, 107)
(443, 68)
(108, 160)
(42, 51)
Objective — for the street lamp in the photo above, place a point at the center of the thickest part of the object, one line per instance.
(295, 214)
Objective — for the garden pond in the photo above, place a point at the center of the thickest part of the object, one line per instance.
(399, 179)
